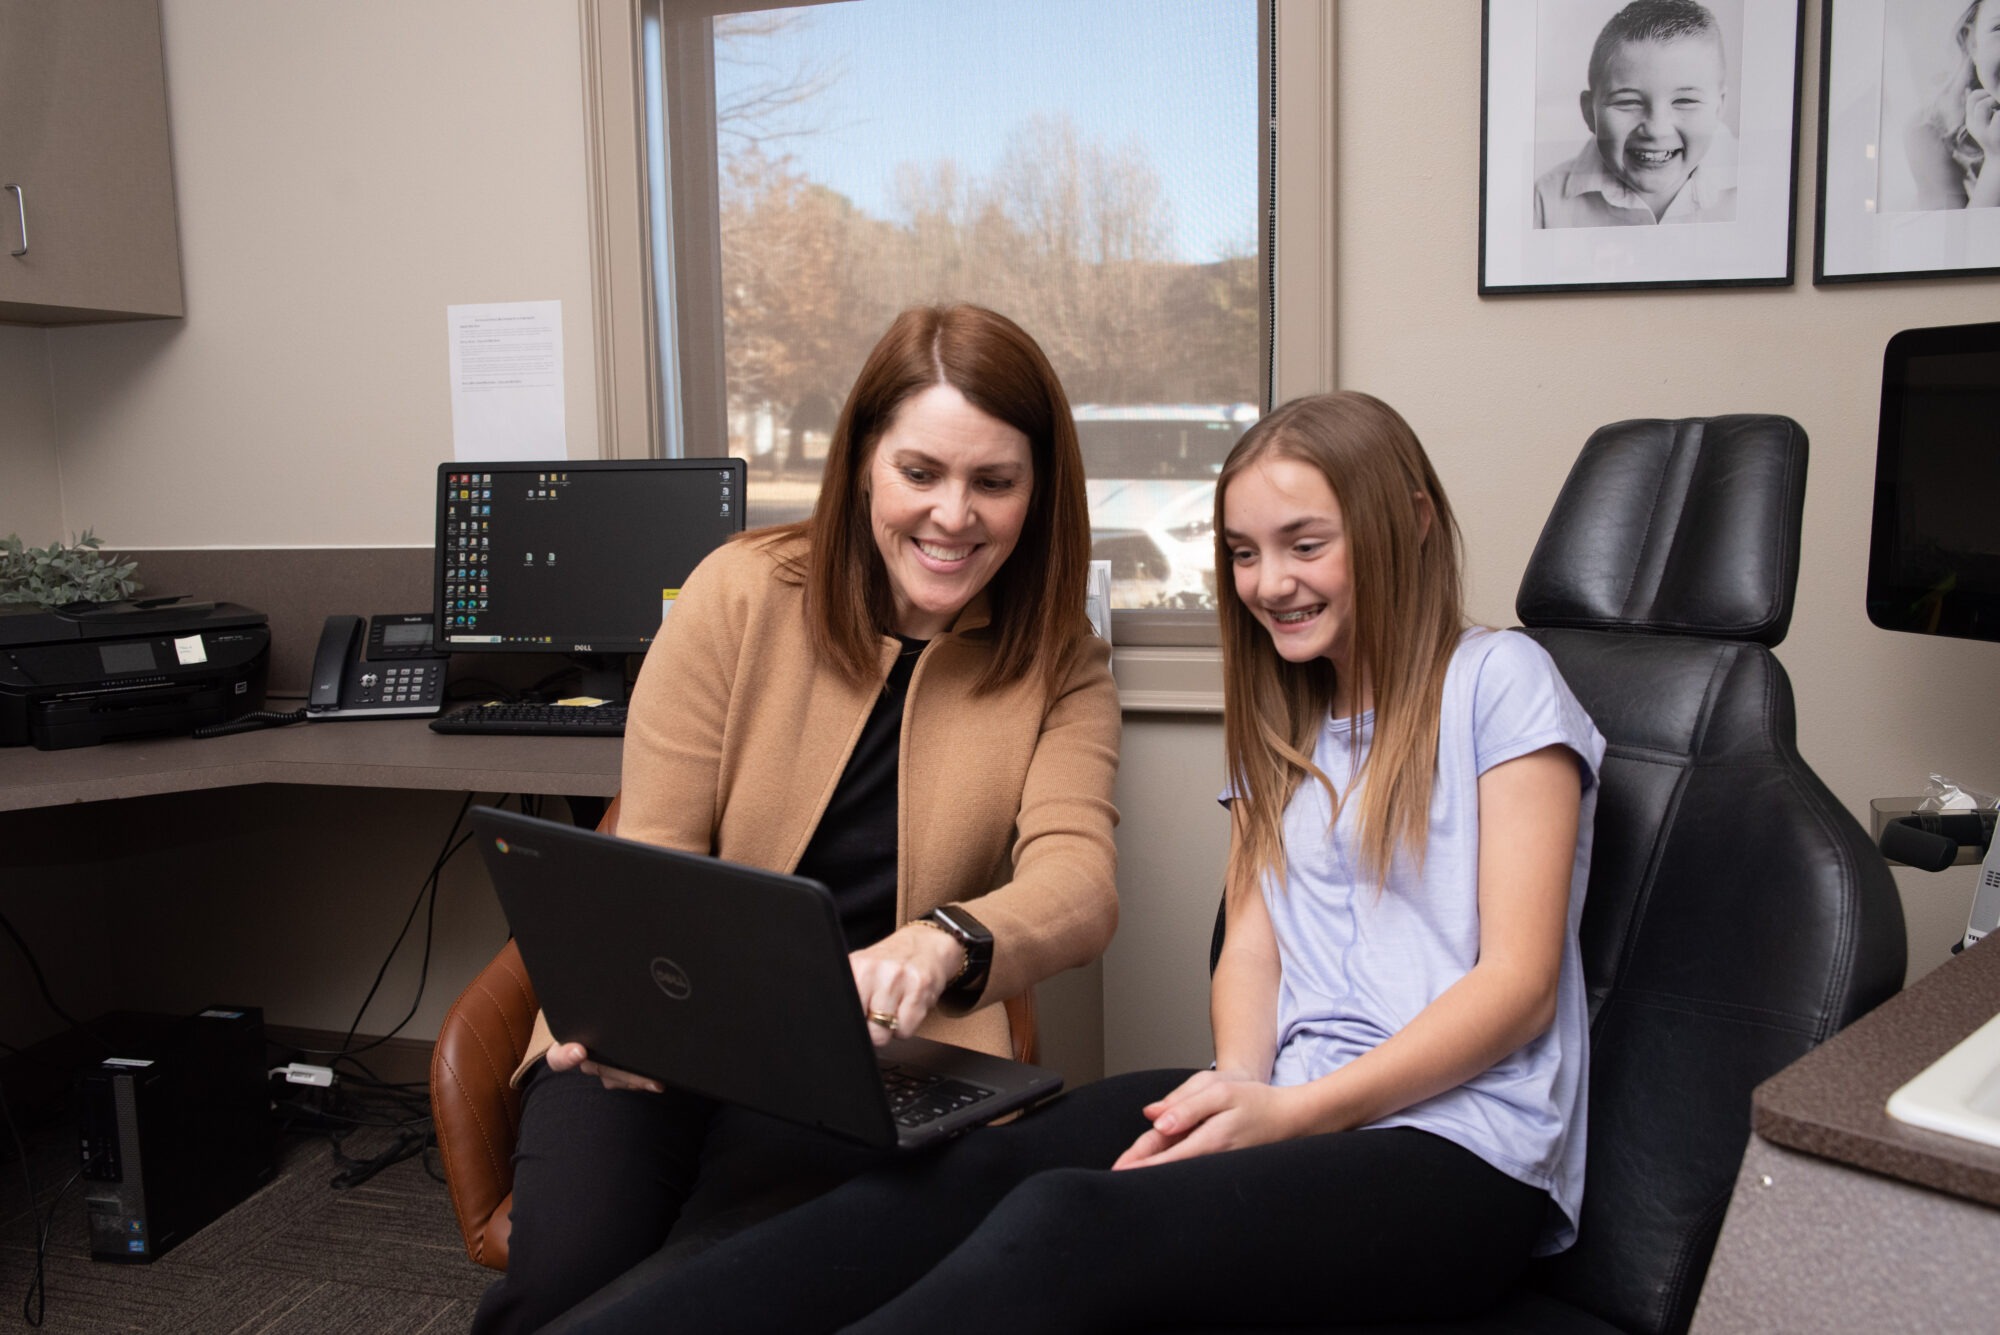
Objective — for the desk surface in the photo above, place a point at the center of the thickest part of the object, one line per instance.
(1832, 1102)
(373, 753)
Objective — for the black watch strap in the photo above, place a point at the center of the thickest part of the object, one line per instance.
(977, 943)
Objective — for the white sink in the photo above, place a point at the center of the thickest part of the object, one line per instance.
(1959, 1093)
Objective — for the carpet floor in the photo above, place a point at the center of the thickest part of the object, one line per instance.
(299, 1256)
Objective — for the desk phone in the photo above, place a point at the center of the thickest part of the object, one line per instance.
(401, 676)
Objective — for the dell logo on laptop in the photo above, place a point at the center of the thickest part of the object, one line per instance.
(671, 978)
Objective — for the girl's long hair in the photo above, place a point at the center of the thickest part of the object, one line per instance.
(1408, 615)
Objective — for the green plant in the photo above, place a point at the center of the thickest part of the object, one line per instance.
(54, 575)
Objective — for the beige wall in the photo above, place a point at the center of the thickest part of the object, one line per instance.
(1173, 838)
(343, 172)
(1503, 391)
(30, 488)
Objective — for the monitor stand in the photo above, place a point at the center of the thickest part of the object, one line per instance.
(601, 676)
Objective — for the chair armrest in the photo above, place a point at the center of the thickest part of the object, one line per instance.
(1021, 1024)
(474, 1106)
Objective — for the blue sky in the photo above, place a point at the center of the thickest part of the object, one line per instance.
(920, 80)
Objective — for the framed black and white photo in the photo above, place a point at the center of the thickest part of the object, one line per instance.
(1909, 140)
(1638, 145)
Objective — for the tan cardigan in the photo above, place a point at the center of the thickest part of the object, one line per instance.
(736, 739)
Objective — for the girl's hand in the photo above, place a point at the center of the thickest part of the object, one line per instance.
(902, 975)
(572, 1057)
(1211, 1111)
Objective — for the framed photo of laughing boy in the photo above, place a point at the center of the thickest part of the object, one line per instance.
(1909, 140)
(1638, 143)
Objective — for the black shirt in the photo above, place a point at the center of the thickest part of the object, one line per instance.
(853, 852)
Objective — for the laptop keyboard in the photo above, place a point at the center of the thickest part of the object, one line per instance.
(918, 1096)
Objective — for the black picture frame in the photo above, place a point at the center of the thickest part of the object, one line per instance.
(1882, 211)
(1539, 231)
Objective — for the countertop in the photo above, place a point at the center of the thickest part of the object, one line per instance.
(1832, 1102)
(365, 753)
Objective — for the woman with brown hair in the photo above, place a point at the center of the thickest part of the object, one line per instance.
(1394, 1121)
(900, 697)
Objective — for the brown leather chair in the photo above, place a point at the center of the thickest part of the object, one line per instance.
(474, 1106)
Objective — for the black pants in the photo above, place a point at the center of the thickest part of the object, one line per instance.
(1021, 1228)
(605, 1180)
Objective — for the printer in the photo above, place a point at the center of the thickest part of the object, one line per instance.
(89, 673)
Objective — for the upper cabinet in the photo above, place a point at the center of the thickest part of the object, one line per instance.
(86, 179)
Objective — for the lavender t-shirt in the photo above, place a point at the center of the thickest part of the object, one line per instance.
(1358, 965)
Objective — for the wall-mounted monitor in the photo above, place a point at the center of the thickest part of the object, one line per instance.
(1934, 553)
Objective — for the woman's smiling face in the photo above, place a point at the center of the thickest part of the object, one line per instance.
(948, 493)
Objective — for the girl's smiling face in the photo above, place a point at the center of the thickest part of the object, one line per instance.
(1289, 561)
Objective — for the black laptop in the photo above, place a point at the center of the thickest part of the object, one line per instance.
(726, 981)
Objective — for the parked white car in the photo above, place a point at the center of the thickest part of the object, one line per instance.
(1150, 472)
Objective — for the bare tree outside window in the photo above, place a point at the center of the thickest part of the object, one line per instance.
(764, 103)
(869, 162)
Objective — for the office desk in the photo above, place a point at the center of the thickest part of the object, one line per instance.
(1843, 1219)
(384, 753)
(272, 867)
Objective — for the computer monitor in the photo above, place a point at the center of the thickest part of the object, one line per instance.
(1934, 555)
(573, 557)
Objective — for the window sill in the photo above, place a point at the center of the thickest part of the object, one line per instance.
(1162, 679)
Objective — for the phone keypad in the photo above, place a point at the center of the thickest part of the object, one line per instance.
(411, 684)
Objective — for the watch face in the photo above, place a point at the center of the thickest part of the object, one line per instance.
(975, 941)
(963, 925)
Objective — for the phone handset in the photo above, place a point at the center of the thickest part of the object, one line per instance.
(338, 643)
(339, 648)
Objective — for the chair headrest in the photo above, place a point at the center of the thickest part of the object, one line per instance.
(1687, 527)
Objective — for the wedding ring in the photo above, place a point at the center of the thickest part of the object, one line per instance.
(887, 1019)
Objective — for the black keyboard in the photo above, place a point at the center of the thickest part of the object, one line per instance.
(542, 720)
(918, 1096)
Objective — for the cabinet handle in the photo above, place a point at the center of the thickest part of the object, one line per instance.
(20, 202)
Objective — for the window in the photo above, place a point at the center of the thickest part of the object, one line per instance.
(1092, 168)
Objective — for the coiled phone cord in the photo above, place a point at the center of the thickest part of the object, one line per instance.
(262, 718)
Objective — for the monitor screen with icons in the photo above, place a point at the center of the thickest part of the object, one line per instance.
(574, 557)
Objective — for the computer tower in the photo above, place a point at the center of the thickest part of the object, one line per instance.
(174, 1127)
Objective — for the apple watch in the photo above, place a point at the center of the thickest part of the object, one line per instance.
(977, 943)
